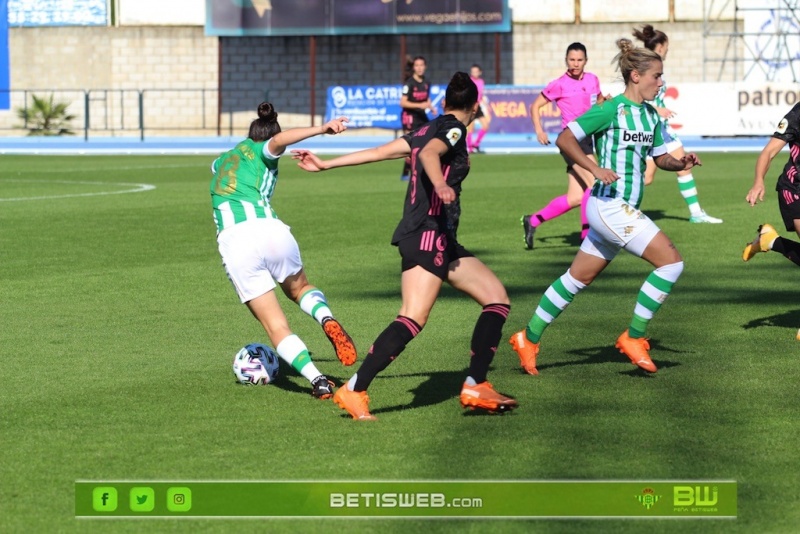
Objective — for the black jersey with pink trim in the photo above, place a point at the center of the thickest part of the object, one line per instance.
(423, 209)
(415, 92)
(788, 130)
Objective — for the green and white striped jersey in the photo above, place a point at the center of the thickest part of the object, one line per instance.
(243, 183)
(625, 133)
(662, 92)
(659, 101)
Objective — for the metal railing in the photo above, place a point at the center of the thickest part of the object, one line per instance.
(116, 112)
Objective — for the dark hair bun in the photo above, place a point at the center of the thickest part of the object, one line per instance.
(648, 31)
(460, 81)
(267, 112)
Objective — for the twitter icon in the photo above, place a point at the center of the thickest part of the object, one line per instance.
(142, 499)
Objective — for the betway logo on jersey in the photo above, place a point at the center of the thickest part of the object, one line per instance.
(638, 138)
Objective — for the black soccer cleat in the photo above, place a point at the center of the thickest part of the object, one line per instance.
(322, 388)
(529, 231)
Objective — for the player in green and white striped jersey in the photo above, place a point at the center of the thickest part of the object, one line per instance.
(658, 42)
(625, 129)
(258, 249)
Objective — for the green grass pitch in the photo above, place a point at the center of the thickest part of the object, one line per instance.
(119, 327)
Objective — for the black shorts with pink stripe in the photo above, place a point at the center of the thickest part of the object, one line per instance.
(432, 250)
(789, 205)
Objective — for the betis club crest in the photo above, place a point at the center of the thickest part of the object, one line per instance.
(648, 498)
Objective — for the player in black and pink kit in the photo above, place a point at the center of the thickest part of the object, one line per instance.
(788, 188)
(415, 101)
(431, 255)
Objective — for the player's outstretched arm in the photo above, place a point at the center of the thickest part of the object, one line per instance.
(279, 142)
(768, 153)
(568, 144)
(307, 161)
(670, 163)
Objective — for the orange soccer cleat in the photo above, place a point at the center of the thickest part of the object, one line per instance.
(356, 403)
(636, 350)
(484, 396)
(526, 350)
(341, 341)
(762, 243)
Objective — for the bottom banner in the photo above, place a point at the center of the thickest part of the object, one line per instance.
(399, 499)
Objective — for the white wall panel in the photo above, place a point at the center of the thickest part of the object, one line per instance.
(624, 11)
(162, 12)
(524, 11)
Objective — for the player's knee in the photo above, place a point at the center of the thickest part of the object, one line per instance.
(496, 294)
(501, 298)
(671, 271)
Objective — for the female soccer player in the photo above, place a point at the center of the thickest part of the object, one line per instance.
(788, 187)
(658, 42)
(574, 93)
(415, 101)
(483, 115)
(430, 253)
(625, 129)
(258, 249)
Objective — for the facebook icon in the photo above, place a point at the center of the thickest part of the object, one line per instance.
(104, 499)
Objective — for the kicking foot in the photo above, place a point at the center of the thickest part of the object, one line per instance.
(762, 243)
(341, 341)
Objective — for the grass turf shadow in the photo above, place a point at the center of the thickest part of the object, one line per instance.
(610, 354)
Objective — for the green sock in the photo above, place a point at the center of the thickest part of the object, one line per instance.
(688, 191)
(555, 299)
(535, 329)
(654, 292)
(638, 327)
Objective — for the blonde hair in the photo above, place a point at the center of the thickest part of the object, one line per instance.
(632, 58)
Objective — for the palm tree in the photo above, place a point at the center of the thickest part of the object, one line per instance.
(46, 117)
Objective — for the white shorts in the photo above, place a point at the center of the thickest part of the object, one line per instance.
(614, 225)
(256, 254)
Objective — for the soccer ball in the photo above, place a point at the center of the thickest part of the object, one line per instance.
(256, 364)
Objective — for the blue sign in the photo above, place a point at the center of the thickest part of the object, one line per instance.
(5, 77)
(371, 106)
(57, 12)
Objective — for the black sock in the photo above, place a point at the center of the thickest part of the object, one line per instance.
(485, 338)
(790, 249)
(388, 346)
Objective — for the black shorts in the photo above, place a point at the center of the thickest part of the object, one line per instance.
(789, 206)
(432, 250)
(411, 121)
(479, 114)
(586, 145)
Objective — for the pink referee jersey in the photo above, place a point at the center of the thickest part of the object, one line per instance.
(573, 97)
(480, 84)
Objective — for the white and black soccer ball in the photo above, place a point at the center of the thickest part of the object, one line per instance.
(256, 364)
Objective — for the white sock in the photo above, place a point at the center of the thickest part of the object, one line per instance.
(351, 384)
(314, 304)
(293, 351)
